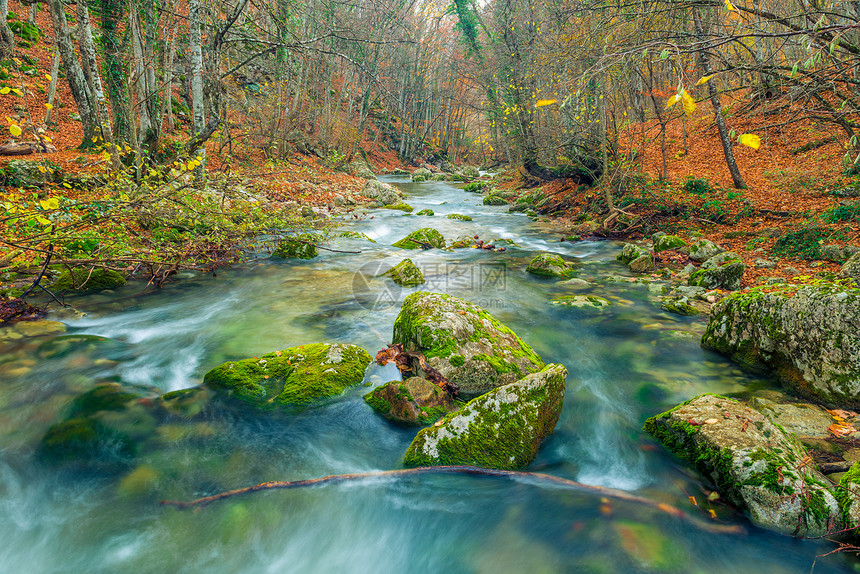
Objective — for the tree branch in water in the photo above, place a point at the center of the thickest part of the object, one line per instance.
(535, 478)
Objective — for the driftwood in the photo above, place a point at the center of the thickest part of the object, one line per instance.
(533, 478)
(404, 361)
(26, 148)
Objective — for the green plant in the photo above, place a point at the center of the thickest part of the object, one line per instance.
(842, 213)
(805, 243)
(700, 187)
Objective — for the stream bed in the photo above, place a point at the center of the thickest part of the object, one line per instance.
(626, 362)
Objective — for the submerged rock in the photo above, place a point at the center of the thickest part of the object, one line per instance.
(405, 273)
(702, 249)
(723, 271)
(679, 306)
(423, 238)
(500, 429)
(754, 463)
(421, 174)
(462, 242)
(587, 301)
(297, 376)
(495, 200)
(415, 401)
(355, 235)
(427, 212)
(550, 265)
(463, 342)
(809, 336)
(294, 248)
(382, 192)
(88, 279)
(459, 216)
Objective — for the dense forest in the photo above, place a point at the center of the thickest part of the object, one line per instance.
(661, 197)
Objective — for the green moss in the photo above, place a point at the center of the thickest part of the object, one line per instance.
(457, 360)
(459, 216)
(377, 402)
(88, 279)
(498, 364)
(109, 397)
(84, 439)
(422, 239)
(846, 492)
(770, 477)
(427, 212)
(296, 376)
(400, 206)
(295, 248)
(406, 273)
(355, 235)
(549, 265)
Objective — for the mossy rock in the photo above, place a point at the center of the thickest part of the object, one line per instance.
(722, 271)
(808, 336)
(755, 464)
(423, 238)
(400, 207)
(463, 342)
(630, 252)
(462, 242)
(702, 249)
(421, 175)
(851, 268)
(495, 200)
(549, 265)
(104, 397)
(459, 216)
(297, 376)
(381, 192)
(185, 403)
(88, 279)
(406, 274)
(418, 179)
(679, 306)
(427, 212)
(293, 248)
(668, 242)
(642, 264)
(415, 401)
(581, 301)
(85, 439)
(501, 429)
(355, 235)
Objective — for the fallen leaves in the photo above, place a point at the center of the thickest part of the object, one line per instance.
(404, 361)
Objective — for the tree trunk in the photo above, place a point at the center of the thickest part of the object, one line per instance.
(91, 67)
(196, 60)
(115, 69)
(52, 87)
(7, 38)
(74, 72)
(718, 110)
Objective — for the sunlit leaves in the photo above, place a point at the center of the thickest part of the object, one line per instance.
(730, 7)
(750, 140)
(542, 103)
(704, 79)
(15, 130)
(686, 100)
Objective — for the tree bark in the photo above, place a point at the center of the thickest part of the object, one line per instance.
(718, 109)
(115, 69)
(7, 38)
(74, 72)
(90, 65)
(196, 61)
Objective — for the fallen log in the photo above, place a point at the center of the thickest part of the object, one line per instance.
(534, 478)
(26, 148)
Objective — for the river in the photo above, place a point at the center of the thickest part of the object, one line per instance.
(626, 362)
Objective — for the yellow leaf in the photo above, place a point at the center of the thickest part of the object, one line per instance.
(47, 139)
(704, 79)
(42, 220)
(689, 103)
(67, 185)
(53, 203)
(15, 130)
(712, 513)
(750, 140)
(672, 101)
(43, 170)
(49, 106)
(730, 7)
(17, 91)
(191, 165)
(542, 103)
(48, 77)
(5, 90)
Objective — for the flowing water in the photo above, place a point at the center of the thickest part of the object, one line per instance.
(626, 363)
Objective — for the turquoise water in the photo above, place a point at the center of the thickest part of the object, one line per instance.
(626, 362)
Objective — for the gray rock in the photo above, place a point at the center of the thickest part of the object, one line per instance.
(631, 252)
(754, 463)
(679, 306)
(722, 271)
(26, 173)
(502, 429)
(808, 335)
(690, 292)
(800, 419)
(642, 264)
(702, 249)
(550, 265)
(580, 301)
(466, 344)
(851, 269)
(837, 253)
(421, 174)
(764, 264)
(381, 192)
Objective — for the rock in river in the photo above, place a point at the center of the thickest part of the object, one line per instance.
(754, 463)
(550, 265)
(296, 376)
(808, 335)
(405, 273)
(501, 429)
(415, 401)
(463, 342)
(722, 271)
(424, 238)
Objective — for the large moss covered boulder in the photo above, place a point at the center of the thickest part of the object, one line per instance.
(415, 401)
(668, 242)
(630, 252)
(755, 464)
(550, 265)
(463, 342)
(424, 238)
(722, 271)
(405, 273)
(421, 174)
(501, 429)
(809, 336)
(88, 279)
(381, 192)
(297, 376)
